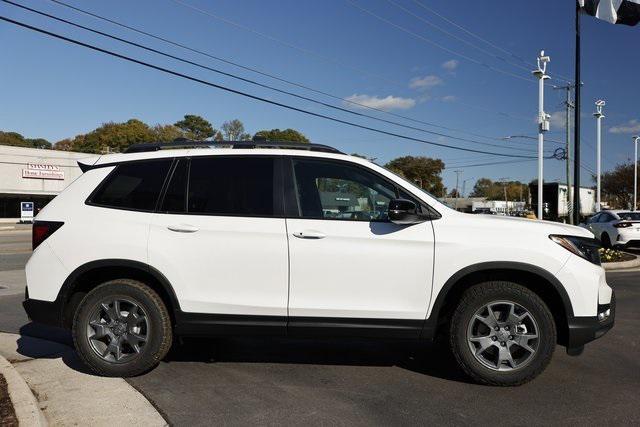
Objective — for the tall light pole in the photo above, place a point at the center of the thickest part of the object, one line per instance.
(635, 174)
(599, 116)
(543, 122)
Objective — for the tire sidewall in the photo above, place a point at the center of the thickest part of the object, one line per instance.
(152, 351)
(472, 302)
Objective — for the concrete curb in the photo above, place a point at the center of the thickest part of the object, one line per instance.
(67, 393)
(622, 264)
(24, 402)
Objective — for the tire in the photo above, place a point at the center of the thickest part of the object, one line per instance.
(605, 240)
(469, 334)
(142, 330)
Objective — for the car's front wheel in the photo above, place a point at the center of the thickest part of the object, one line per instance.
(502, 333)
(122, 328)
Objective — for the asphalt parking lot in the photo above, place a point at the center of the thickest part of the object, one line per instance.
(346, 382)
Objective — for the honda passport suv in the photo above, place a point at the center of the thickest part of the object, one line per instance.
(300, 240)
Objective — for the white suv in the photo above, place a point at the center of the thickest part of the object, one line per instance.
(300, 240)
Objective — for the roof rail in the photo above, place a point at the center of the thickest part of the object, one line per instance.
(182, 143)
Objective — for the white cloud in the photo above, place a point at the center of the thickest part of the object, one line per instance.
(387, 103)
(426, 82)
(449, 98)
(451, 64)
(632, 126)
(556, 119)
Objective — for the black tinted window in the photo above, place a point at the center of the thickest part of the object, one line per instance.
(231, 186)
(175, 199)
(135, 185)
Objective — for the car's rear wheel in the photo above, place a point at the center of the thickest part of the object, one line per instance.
(122, 328)
(502, 333)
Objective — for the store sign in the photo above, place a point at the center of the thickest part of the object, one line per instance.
(38, 171)
(26, 211)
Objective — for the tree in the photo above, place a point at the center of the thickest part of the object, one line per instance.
(482, 188)
(423, 171)
(485, 187)
(64, 145)
(617, 186)
(17, 140)
(196, 127)
(166, 133)
(289, 135)
(453, 193)
(233, 130)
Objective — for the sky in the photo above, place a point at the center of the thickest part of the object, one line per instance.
(462, 66)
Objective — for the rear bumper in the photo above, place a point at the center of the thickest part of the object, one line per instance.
(583, 330)
(45, 312)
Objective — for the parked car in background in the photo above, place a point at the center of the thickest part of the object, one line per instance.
(193, 239)
(620, 229)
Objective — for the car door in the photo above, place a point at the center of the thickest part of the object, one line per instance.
(220, 239)
(351, 270)
(592, 224)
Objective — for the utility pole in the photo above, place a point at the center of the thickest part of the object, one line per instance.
(506, 200)
(636, 139)
(569, 106)
(458, 172)
(599, 116)
(543, 122)
(576, 123)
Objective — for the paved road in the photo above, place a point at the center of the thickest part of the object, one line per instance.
(311, 382)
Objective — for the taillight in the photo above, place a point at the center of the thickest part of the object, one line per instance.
(42, 230)
(622, 225)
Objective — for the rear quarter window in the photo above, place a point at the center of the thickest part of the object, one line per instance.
(134, 186)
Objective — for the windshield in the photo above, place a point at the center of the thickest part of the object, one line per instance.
(629, 216)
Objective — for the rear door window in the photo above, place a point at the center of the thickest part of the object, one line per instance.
(234, 185)
(133, 185)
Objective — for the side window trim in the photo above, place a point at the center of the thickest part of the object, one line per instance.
(293, 201)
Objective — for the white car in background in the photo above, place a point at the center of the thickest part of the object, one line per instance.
(616, 228)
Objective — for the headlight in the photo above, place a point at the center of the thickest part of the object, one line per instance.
(584, 247)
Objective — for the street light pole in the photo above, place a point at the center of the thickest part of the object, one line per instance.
(543, 122)
(635, 174)
(599, 116)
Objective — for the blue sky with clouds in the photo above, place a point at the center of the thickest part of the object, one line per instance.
(393, 55)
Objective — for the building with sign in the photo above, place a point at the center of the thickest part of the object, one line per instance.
(34, 175)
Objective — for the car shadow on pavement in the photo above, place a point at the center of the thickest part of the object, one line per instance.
(44, 342)
(420, 357)
(39, 341)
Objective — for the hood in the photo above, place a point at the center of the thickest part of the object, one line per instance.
(509, 223)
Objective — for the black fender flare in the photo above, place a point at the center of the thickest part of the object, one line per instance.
(431, 322)
(68, 285)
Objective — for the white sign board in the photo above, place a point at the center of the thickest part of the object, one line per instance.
(26, 211)
(38, 171)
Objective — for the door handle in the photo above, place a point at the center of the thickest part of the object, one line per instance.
(183, 228)
(309, 234)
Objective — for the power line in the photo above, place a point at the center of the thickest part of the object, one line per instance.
(248, 95)
(488, 164)
(469, 32)
(438, 45)
(280, 79)
(314, 54)
(149, 49)
(460, 39)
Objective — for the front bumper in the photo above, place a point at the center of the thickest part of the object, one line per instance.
(586, 329)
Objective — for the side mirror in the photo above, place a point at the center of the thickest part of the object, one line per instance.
(404, 212)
